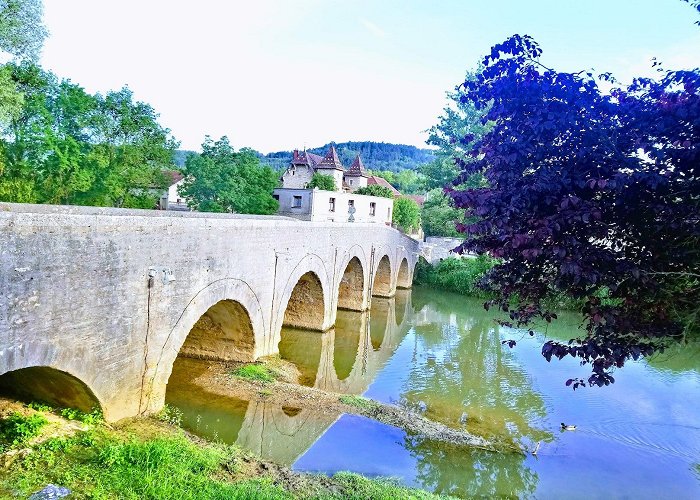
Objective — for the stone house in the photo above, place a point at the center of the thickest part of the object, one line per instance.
(297, 200)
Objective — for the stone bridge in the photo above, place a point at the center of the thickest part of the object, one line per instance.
(96, 303)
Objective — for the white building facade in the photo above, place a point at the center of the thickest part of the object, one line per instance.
(333, 206)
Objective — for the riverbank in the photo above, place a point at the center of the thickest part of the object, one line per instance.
(148, 458)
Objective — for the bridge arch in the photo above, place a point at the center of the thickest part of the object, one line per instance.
(383, 282)
(351, 290)
(403, 278)
(305, 307)
(227, 321)
(49, 385)
(223, 333)
(305, 301)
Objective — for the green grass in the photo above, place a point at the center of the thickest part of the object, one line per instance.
(170, 415)
(358, 402)
(257, 372)
(92, 418)
(17, 429)
(100, 464)
(95, 464)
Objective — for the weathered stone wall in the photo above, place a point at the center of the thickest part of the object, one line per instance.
(109, 296)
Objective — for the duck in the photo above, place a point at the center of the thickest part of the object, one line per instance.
(565, 427)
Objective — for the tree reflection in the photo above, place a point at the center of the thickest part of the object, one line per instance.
(465, 377)
(451, 470)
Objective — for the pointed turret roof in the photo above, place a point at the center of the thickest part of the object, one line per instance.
(357, 168)
(331, 160)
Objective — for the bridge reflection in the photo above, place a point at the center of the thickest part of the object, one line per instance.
(345, 359)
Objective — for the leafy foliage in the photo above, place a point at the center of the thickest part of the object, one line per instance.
(406, 214)
(439, 216)
(406, 181)
(66, 146)
(456, 275)
(587, 191)
(322, 181)
(375, 190)
(16, 429)
(223, 180)
(21, 30)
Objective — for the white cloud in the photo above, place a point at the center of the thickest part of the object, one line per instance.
(373, 28)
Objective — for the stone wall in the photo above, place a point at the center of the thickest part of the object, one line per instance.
(109, 296)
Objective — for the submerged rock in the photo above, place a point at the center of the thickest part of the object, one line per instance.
(50, 492)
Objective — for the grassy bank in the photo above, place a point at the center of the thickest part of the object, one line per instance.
(151, 459)
(462, 276)
(455, 275)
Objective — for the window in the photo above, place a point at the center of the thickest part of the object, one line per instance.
(372, 208)
(351, 182)
(331, 204)
(388, 213)
(297, 202)
(276, 196)
(351, 204)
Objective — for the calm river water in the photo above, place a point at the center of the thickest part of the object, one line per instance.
(441, 354)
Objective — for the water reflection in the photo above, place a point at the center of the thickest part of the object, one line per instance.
(342, 360)
(212, 416)
(442, 354)
(347, 358)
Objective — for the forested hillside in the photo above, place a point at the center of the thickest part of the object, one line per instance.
(375, 155)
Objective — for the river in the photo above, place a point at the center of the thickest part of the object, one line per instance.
(441, 354)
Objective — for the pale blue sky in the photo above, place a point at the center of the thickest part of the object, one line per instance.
(276, 75)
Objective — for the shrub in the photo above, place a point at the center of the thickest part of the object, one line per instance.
(455, 275)
(376, 190)
(170, 415)
(322, 181)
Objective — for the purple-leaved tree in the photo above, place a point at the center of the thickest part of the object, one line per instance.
(592, 194)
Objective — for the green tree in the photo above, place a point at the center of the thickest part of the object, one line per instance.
(21, 30)
(375, 190)
(439, 172)
(410, 182)
(130, 153)
(69, 147)
(322, 181)
(458, 120)
(223, 180)
(406, 214)
(438, 215)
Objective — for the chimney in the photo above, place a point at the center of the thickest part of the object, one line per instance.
(296, 155)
